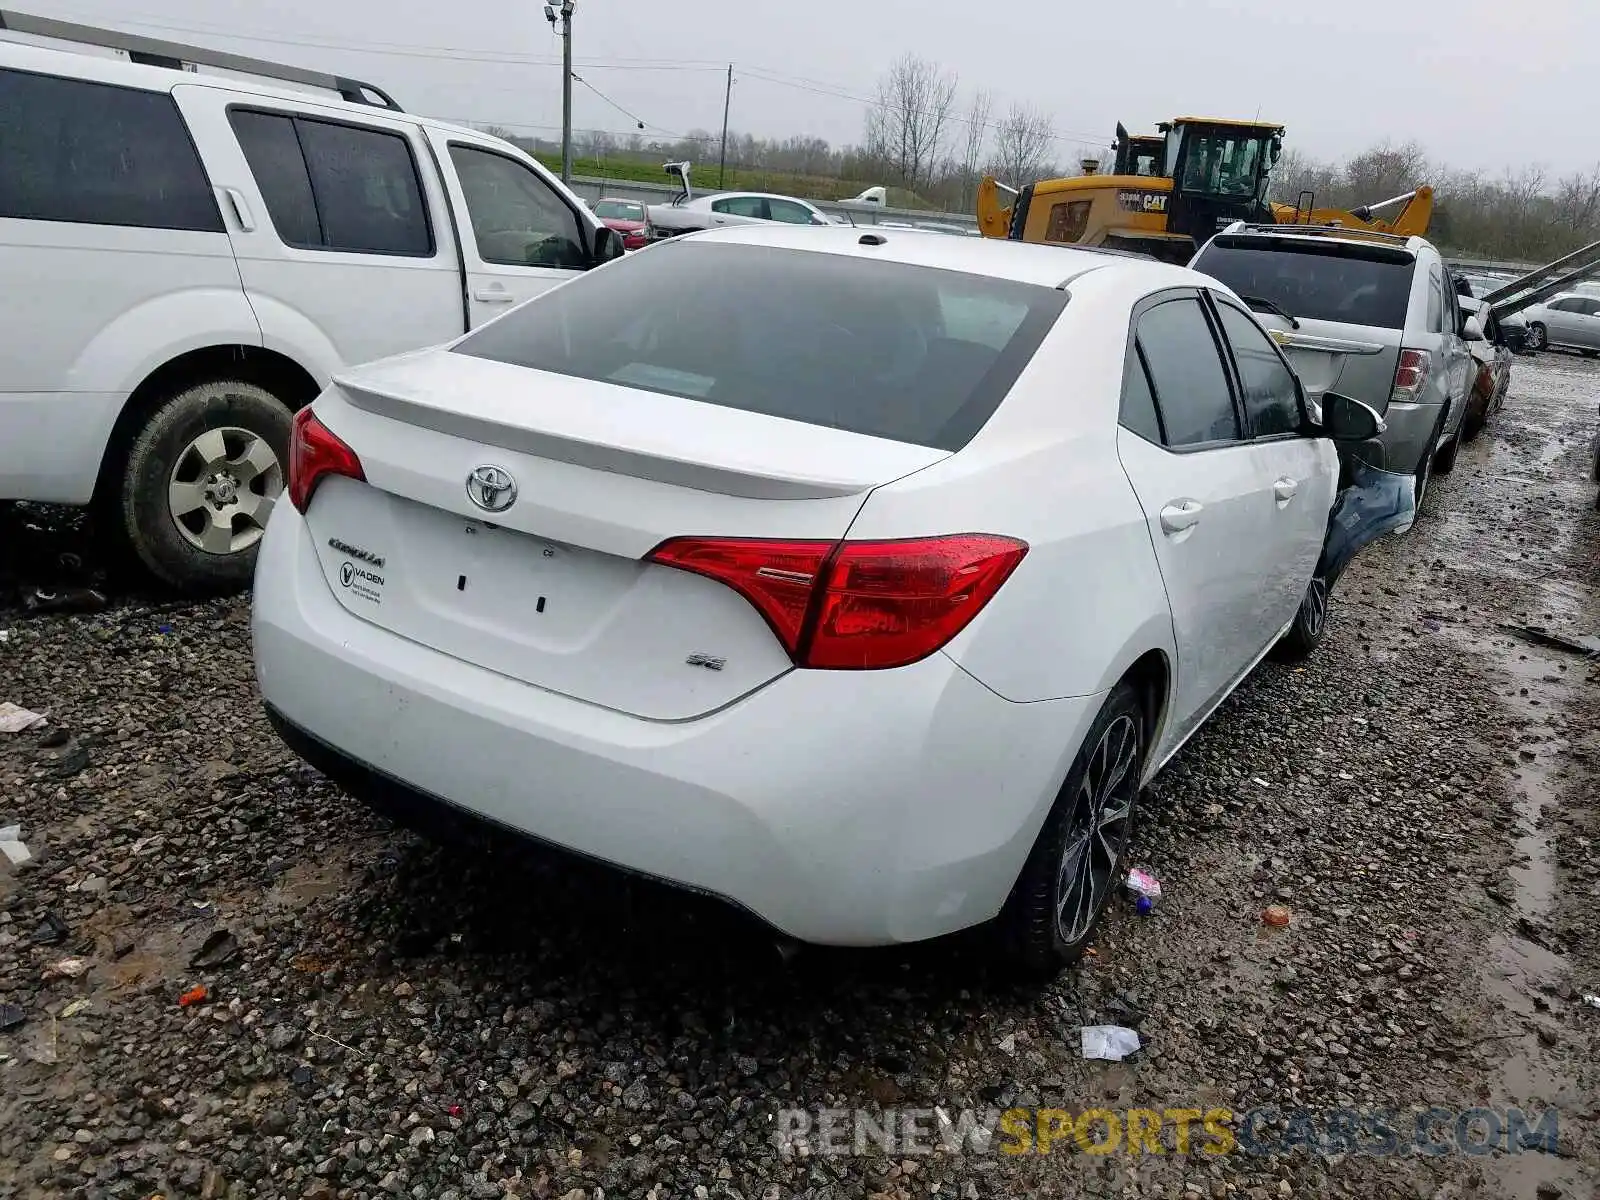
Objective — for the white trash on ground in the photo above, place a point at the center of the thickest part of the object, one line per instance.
(14, 719)
(1111, 1043)
(13, 847)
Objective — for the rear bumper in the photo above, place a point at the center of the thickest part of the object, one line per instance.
(1410, 429)
(847, 808)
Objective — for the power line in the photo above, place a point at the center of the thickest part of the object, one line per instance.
(475, 55)
(637, 120)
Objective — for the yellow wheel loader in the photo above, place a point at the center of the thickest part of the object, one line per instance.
(1168, 194)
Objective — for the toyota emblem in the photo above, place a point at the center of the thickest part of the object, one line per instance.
(492, 488)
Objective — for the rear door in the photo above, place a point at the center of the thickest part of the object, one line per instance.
(1587, 325)
(341, 236)
(1304, 470)
(520, 235)
(1207, 496)
(1561, 319)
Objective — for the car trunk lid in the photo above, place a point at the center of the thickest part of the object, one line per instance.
(553, 589)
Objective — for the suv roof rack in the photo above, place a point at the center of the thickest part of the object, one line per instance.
(1395, 239)
(153, 52)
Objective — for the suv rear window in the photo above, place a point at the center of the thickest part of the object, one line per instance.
(914, 354)
(1333, 281)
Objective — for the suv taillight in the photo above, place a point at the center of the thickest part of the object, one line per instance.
(856, 605)
(1411, 376)
(313, 453)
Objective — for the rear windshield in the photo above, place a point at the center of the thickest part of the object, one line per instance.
(1335, 282)
(619, 210)
(910, 353)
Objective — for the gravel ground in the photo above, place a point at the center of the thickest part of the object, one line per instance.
(398, 1020)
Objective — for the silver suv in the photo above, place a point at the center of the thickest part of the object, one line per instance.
(1370, 316)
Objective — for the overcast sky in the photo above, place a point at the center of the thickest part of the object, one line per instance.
(1480, 83)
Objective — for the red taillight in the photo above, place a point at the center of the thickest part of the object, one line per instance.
(313, 453)
(856, 605)
(1411, 376)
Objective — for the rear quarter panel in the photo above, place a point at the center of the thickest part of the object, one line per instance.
(1087, 600)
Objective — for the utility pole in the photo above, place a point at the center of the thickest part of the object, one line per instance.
(727, 101)
(565, 32)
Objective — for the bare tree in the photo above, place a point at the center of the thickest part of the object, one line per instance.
(499, 131)
(909, 122)
(977, 138)
(1023, 141)
(1385, 171)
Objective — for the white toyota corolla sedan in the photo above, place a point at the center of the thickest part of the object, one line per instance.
(858, 578)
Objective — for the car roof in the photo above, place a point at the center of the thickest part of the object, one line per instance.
(1321, 235)
(1022, 262)
(75, 62)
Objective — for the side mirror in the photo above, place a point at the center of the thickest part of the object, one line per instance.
(1472, 329)
(1348, 420)
(607, 245)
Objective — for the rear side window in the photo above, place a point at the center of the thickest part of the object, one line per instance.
(1138, 413)
(909, 353)
(96, 154)
(1271, 400)
(329, 186)
(1337, 281)
(1186, 371)
(741, 206)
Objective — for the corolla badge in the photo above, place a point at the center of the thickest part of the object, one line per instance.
(492, 488)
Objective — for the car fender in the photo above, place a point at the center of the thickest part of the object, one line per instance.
(293, 334)
(124, 353)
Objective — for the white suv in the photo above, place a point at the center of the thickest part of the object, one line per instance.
(190, 257)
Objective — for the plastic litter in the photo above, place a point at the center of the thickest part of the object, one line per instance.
(193, 996)
(11, 1016)
(220, 949)
(13, 847)
(1109, 1043)
(1143, 906)
(67, 968)
(73, 1009)
(52, 931)
(1275, 914)
(15, 719)
(1592, 1000)
(1144, 885)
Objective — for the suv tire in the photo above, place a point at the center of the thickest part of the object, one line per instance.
(1032, 933)
(199, 481)
(1444, 459)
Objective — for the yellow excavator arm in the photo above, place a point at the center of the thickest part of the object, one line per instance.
(1411, 221)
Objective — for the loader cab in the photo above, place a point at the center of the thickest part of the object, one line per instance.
(1220, 173)
(1143, 155)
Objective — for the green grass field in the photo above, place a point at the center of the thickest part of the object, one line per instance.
(705, 179)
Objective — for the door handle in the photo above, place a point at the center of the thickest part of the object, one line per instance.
(1285, 489)
(1181, 515)
(241, 210)
(493, 296)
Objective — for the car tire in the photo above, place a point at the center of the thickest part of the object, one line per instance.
(198, 483)
(1424, 470)
(1538, 338)
(1444, 458)
(1310, 625)
(1049, 918)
